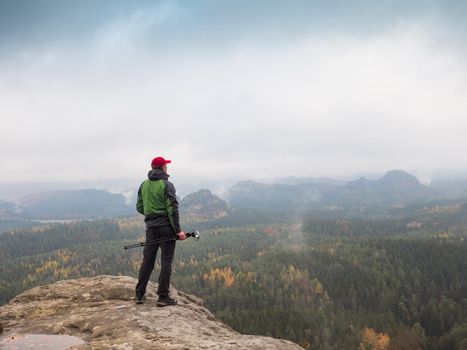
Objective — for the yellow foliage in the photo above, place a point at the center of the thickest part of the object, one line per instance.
(52, 268)
(292, 274)
(64, 255)
(371, 340)
(249, 277)
(135, 264)
(48, 266)
(300, 278)
(29, 280)
(318, 287)
(193, 261)
(224, 274)
(131, 223)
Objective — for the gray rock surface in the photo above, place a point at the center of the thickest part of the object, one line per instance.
(101, 311)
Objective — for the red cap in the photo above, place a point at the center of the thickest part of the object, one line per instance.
(159, 161)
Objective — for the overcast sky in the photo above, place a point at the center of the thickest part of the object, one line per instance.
(96, 89)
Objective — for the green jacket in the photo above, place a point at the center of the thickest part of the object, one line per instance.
(157, 201)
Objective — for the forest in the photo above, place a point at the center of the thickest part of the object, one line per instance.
(323, 282)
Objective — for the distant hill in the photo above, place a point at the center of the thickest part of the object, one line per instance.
(294, 180)
(452, 188)
(251, 194)
(7, 210)
(74, 204)
(395, 187)
(203, 206)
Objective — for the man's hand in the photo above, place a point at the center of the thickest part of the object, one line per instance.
(181, 235)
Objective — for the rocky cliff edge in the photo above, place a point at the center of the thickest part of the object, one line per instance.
(102, 313)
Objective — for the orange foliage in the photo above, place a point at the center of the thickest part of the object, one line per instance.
(371, 340)
(224, 274)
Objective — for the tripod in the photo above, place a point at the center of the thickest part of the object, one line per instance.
(195, 234)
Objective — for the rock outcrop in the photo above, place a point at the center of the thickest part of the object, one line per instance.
(203, 206)
(101, 311)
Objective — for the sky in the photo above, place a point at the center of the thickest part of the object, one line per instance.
(231, 89)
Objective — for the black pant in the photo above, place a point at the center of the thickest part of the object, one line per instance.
(149, 259)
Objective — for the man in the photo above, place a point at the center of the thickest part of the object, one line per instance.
(158, 203)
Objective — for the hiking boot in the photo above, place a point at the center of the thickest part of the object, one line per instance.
(140, 299)
(166, 301)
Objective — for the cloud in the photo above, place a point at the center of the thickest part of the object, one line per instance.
(328, 103)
